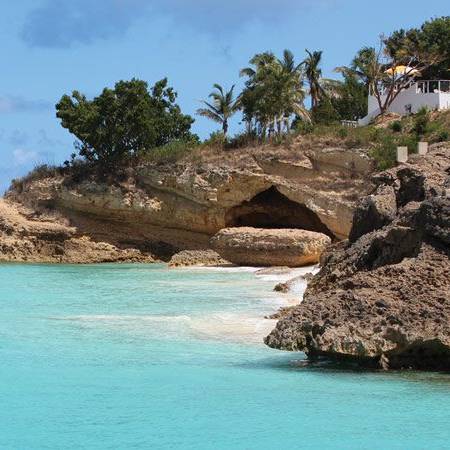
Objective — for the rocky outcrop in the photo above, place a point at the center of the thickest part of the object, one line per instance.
(184, 204)
(188, 258)
(25, 237)
(383, 298)
(270, 247)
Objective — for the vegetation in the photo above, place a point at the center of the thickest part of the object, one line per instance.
(39, 172)
(133, 123)
(224, 106)
(273, 93)
(123, 122)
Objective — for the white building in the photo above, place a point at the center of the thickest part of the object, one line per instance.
(433, 94)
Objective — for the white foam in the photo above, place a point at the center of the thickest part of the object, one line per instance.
(243, 327)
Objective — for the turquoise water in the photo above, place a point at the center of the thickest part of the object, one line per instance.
(143, 357)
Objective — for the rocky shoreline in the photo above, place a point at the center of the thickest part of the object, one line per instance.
(382, 298)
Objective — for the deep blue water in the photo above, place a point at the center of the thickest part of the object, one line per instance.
(143, 357)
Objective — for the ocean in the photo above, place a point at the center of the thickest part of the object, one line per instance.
(147, 357)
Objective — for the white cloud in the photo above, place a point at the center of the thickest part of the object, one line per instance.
(63, 23)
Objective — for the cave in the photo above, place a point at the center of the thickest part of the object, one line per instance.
(272, 209)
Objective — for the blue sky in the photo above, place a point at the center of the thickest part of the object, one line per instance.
(52, 47)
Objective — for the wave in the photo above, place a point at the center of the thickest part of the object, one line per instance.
(246, 326)
(231, 327)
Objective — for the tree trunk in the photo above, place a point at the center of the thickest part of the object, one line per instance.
(225, 127)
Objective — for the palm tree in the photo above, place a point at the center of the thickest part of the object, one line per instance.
(365, 66)
(274, 91)
(223, 106)
(313, 74)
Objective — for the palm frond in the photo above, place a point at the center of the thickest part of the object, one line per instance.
(209, 114)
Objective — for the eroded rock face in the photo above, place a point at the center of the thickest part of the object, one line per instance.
(248, 246)
(384, 299)
(185, 204)
(25, 237)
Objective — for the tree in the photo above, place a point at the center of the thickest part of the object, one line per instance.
(223, 107)
(389, 70)
(274, 92)
(322, 90)
(313, 74)
(350, 101)
(433, 37)
(123, 121)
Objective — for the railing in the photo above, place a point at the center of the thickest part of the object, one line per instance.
(433, 86)
(421, 87)
(349, 123)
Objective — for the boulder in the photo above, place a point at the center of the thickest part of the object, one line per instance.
(188, 258)
(247, 246)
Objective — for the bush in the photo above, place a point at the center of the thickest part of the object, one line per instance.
(123, 122)
(385, 153)
(410, 141)
(343, 132)
(216, 139)
(396, 126)
(324, 113)
(363, 136)
(241, 140)
(169, 153)
(443, 136)
(301, 127)
(39, 172)
(421, 121)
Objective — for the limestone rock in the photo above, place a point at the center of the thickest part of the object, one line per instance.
(187, 258)
(384, 300)
(248, 246)
(181, 206)
(374, 212)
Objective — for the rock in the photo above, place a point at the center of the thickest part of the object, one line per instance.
(186, 203)
(30, 238)
(374, 212)
(269, 247)
(384, 299)
(284, 270)
(287, 286)
(187, 258)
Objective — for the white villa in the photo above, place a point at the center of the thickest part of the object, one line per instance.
(433, 94)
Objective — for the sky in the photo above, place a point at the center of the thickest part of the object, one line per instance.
(52, 47)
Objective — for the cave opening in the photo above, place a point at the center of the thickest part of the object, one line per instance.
(272, 209)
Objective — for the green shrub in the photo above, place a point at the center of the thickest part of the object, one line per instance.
(301, 127)
(421, 121)
(396, 126)
(216, 139)
(241, 140)
(343, 132)
(385, 153)
(410, 141)
(443, 136)
(169, 153)
(363, 136)
(122, 122)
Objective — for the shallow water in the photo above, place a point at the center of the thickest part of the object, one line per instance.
(140, 356)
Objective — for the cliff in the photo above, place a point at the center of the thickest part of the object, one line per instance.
(383, 297)
(160, 209)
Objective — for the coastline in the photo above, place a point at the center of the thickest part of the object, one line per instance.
(256, 328)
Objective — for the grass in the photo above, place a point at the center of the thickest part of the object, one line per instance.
(167, 154)
(40, 172)
(379, 141)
